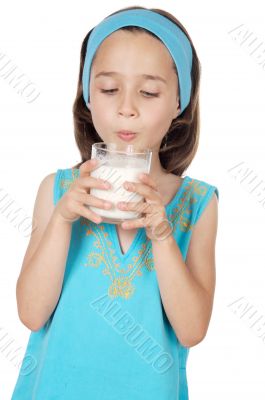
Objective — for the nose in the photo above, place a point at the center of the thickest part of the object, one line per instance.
(127, 106)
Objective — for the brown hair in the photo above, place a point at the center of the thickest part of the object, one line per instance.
(183, 134)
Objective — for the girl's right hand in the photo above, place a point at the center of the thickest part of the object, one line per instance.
(72, 204)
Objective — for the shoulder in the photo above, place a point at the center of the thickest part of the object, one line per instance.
(58, 180)
(46, 184)
(202, 197)
(202, 187)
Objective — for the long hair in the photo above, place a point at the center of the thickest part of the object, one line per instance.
(182, 137)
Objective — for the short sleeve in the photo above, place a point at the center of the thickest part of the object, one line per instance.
(202, 199)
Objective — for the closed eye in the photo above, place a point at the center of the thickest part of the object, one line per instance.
(113, 90)
(108, 91)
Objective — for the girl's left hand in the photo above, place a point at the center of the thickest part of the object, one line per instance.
(155, 219)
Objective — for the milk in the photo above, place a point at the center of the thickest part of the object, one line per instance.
(116, 173)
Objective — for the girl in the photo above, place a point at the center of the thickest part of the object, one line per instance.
(114, 309)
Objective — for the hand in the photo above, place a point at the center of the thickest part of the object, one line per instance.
(73, 203)
(155, 219)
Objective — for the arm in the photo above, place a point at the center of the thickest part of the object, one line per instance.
(187, 290)
(40, 281)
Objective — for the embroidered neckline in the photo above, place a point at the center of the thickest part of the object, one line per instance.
(121, 268)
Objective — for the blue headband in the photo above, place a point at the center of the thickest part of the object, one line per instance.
(171, 35)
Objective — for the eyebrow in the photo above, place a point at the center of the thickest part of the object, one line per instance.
(145, 76)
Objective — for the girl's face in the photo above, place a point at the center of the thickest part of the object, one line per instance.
(135, 102)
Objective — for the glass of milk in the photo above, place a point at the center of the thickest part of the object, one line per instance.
(118, 163)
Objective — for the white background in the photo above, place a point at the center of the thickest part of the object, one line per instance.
(43, 39)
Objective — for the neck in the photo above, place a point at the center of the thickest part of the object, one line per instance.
(157, 172)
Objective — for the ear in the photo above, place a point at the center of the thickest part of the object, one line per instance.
(177, 109)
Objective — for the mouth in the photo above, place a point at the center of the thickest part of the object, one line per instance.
(126, 135)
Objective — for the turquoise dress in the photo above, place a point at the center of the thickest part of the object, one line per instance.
(109, 337)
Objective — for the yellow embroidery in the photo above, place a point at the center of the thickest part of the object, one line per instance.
(122, 276)
(121, 287)
(182, 212)
(65, 183)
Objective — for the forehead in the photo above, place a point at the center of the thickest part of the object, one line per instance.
(135, 51)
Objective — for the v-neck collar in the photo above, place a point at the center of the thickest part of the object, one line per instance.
(141, 231)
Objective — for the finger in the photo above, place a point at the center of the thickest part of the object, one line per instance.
(87, 182)
(140, 207)
(87, 167)
(85, 212)
(146, 191)
(150, 219)
(136, 223)
(146, 178)
(89, 200)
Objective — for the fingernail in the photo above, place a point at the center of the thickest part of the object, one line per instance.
(128, 185)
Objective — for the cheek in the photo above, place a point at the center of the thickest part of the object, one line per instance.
(158, 124)
(160, 116)
(100, 112)
(102, 118)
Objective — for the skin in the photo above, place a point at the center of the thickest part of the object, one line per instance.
(129, 107)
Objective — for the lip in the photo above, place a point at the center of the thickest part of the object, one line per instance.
(126, 135)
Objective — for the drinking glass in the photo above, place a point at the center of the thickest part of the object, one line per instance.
(118, 163)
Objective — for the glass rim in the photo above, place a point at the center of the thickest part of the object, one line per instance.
(98, 145)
